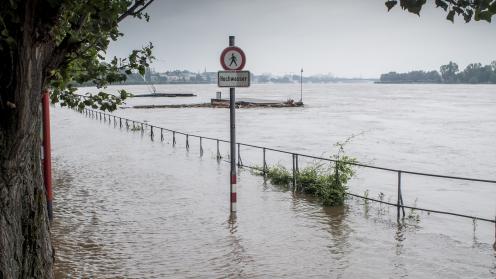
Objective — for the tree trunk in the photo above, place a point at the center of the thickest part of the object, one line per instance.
(25, 246)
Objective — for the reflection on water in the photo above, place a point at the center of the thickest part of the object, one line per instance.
(126, 207)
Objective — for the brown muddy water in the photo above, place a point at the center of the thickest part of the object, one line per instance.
(126, 207)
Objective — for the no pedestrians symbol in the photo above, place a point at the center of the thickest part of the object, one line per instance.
(233, 59)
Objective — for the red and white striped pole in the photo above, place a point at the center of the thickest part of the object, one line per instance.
(47, 155)
(232, 111)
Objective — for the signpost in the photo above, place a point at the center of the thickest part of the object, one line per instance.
(233, 60)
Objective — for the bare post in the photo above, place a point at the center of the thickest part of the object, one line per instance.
(338, 182)
(301, 85)
(399, 196)
(240, 163)
(218, 151)
(297, 168)
(494, 245)
(294, 172)
(264, 166)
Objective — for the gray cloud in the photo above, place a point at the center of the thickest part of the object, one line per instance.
(348, 38)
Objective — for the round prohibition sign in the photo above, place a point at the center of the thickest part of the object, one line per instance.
(233, 59)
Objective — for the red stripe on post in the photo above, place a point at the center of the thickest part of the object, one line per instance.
(233, 179)
(233, 197)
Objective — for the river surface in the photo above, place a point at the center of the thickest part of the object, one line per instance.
(127, 207)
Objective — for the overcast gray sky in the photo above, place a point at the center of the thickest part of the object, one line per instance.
(348, 38)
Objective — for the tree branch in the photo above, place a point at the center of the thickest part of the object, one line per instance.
(134, 10)
(67, 45)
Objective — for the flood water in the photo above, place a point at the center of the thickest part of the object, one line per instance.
(127, 207)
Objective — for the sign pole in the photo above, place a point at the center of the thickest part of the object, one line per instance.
(233, 60)
(232, 111)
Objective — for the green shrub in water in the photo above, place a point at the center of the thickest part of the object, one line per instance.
(279, 175)
(327, 183)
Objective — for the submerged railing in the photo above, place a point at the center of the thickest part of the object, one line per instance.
(123, 122)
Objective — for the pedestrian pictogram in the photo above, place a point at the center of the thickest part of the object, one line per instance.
(233, 59)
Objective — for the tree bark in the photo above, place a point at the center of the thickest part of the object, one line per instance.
(25, 246)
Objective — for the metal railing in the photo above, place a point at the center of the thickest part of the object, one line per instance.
(123, 122)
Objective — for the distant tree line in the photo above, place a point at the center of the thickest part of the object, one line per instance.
(449, 73)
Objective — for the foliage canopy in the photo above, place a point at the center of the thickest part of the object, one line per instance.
(77, 35)
(468, 9)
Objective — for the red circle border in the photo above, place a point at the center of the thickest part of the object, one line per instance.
(240, 51)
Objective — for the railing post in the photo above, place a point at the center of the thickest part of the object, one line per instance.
(398, 203)
(218, 152)
(120, 122)
(201, 147)
(240, 163)
(336, 172)
(173, 138)
(151, 133)
(294, 172)
(297, 169)
(187, 142)
(161, 134)
(494, 245)
(264, 166)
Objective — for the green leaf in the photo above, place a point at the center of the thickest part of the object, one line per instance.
(485, 15)
(141, 70)
(468, 15)
(492, 8)
(442, 4)
(413, 6)
(451, 16)
(390, 4)
(458, 10)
